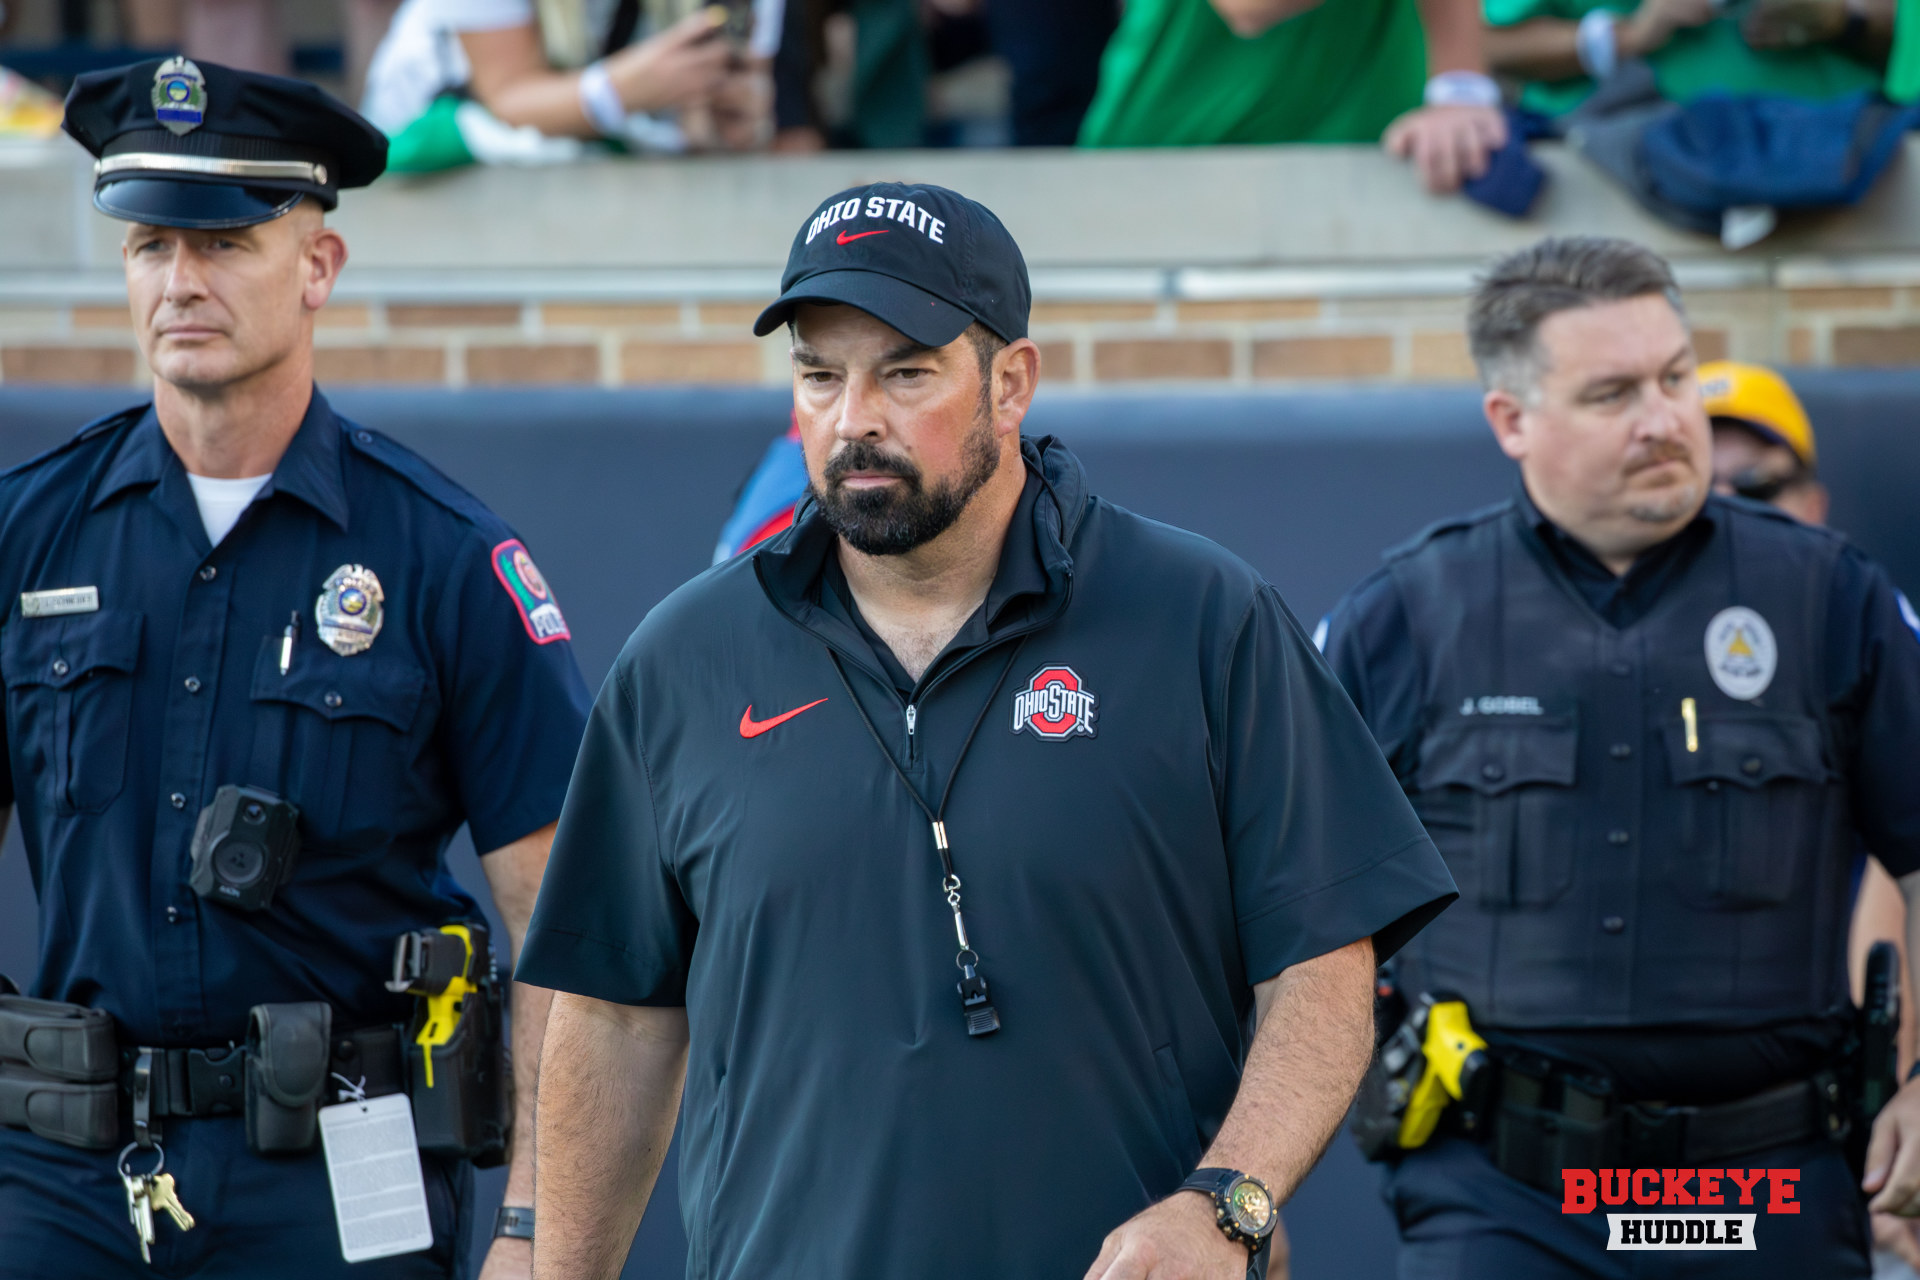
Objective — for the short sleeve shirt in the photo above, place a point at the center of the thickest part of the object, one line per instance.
(1162, 797)
(1174, 74)
(1872, 653)
(123, 720)
(1872, 656)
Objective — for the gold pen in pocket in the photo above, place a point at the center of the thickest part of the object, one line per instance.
(1692, 721)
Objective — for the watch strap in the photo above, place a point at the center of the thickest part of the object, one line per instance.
(514, 1221)
(1213, 1182)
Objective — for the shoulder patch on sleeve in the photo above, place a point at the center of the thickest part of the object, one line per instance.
(539, 613)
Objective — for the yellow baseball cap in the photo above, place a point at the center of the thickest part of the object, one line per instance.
(1759, 399)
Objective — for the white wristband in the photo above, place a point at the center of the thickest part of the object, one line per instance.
(1462, 89)
(600, 101)
(1597, 43)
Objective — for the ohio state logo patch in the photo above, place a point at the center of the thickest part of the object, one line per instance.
(1055, 704)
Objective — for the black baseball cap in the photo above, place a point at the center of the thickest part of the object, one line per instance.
(926, 260)
(179, 144)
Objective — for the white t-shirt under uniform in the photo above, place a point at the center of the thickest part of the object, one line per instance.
(222, 501)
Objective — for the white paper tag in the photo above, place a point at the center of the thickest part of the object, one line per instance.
(373, 1165)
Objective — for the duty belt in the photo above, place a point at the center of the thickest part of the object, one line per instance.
(63, 1077)
(212, 1082)
(1548, 1120)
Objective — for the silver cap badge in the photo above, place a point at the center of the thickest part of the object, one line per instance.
(349, 611)
(179, 95)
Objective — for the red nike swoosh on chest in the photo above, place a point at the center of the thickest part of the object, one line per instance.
(751, 728)
(844, 238)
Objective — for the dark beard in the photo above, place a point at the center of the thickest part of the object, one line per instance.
(893, 521)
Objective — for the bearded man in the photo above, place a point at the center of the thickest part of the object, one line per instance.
(1001, 873)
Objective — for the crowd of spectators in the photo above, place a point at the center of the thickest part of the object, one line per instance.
(1442, 83)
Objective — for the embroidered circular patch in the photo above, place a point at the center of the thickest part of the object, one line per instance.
(1741, 655)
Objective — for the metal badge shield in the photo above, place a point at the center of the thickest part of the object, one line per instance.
(350, 610)
(180, 95)
(1741, 654)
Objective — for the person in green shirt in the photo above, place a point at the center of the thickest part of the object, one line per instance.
(1215, 72)
(1811, 49)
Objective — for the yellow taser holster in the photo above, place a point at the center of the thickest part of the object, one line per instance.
(1456, 1065)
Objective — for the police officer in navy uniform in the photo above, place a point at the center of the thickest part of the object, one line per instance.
(234, 588)
(1647, 728)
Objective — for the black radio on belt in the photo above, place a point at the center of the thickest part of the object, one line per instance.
(244, 847)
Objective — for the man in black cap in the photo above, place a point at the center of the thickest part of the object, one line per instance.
(950, 847)
(259, 665)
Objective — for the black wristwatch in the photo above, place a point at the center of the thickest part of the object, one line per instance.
(514, 1222)
(1242, 1205)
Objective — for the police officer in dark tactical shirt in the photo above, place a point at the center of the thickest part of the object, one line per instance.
(259, 665)
(1647, 728)
(1002, 873)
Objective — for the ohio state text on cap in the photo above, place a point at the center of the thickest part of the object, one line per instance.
(925, 260)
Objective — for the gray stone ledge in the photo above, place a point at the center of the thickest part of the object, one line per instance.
(1163, 224)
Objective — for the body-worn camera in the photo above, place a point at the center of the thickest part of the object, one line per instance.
(244, 847)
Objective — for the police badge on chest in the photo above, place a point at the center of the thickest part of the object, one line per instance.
(350, 610)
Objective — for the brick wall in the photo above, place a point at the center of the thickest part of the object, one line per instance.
(1357, 337)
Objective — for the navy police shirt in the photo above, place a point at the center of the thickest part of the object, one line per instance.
(1159, 796)
(141, 670)
(1872, 675)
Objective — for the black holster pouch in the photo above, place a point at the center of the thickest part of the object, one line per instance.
(288, 1050)
(1548, 1120)
(59, 1071)
(1869, 1070)
(467, 1112)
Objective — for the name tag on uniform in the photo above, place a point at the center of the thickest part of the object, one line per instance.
(51, 604)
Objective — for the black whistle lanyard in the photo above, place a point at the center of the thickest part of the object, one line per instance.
(976, 1004)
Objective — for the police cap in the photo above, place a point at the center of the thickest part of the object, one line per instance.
(204, 146)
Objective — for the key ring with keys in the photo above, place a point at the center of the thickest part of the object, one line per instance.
(159, 1164)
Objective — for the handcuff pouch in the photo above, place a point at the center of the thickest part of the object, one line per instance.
(288, 1050)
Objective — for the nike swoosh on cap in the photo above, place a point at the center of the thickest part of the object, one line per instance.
(844, 238)
(751, 728)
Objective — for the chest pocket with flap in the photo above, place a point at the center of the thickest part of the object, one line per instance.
(70, 702)
(348, 725)
(1751, 810)
(1496, 794)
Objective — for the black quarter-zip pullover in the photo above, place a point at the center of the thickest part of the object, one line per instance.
(1169, 800)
